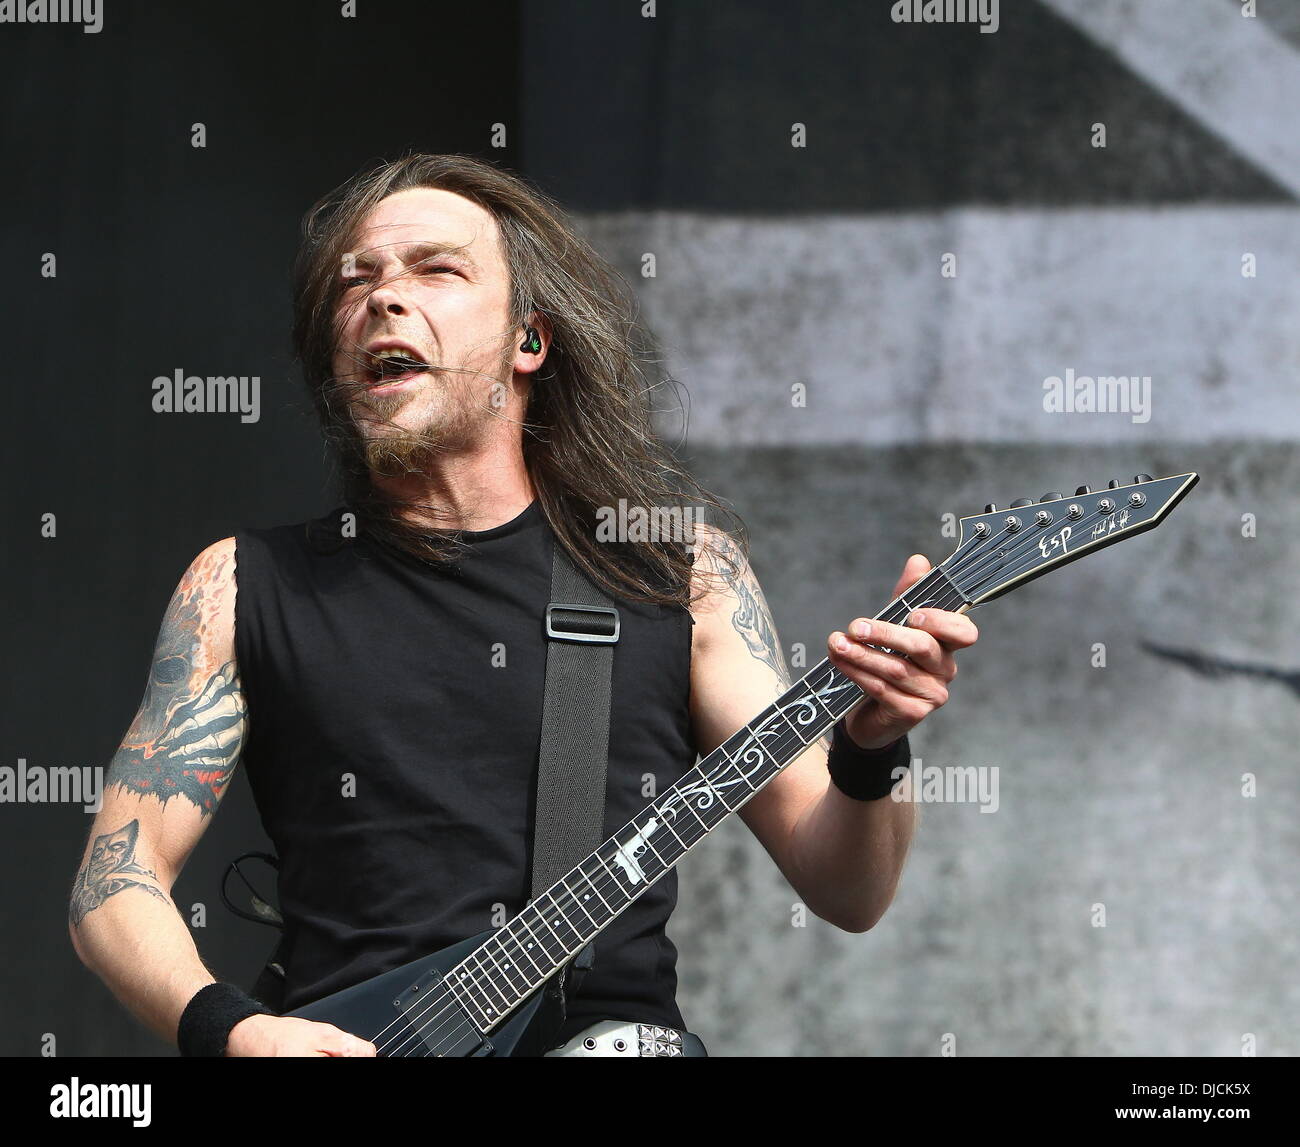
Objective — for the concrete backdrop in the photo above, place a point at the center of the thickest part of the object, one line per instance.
(1120, 785)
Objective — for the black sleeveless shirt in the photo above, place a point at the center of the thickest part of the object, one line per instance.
(394, 723)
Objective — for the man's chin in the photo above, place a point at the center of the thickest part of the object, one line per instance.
(393, 456)
(381, 405)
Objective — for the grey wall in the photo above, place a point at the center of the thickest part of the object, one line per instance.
(1119, 786)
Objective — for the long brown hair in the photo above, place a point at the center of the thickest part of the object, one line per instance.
(588, 438)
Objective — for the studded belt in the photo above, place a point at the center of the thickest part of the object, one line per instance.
(617, 1038)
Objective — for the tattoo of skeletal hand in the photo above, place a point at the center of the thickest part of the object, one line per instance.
(185, 741)
(752, 619)
(111, 867)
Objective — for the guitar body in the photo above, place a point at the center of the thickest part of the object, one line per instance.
(410, 1011)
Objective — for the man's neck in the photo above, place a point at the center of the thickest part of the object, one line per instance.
(474, 493)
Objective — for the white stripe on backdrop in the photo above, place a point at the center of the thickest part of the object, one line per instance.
(892, 352)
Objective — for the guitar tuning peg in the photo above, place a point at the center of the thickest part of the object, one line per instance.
(1143, 478)
(1083, 490)
(1113, 483)
(1019, 502)
(1051, 496)
(991, 508)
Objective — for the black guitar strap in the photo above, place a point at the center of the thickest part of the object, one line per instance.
(582, 627)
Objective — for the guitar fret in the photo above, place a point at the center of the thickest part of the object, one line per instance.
(519, 943)
(559, 918)
(655, 851)
(541, 916)
(597, 891)
(580, 904)
(751, 744)
(487, 985)
(613, 878)
(689, 804)
(458, 990)
(510, 968)
(714, 790)
(536, 942)
(740, 774)
(784, 713)
(668, 824)
(785, 717)
(809, 692)
(584, 931)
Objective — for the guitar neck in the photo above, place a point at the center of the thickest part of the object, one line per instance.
(504, 971)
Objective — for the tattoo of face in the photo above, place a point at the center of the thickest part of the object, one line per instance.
(112, 866)
(752, 619)
(186, 738)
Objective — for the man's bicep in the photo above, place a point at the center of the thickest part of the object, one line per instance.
(179, 755)
(737, 665)
(738, 669)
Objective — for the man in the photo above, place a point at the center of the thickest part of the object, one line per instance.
(379, 670)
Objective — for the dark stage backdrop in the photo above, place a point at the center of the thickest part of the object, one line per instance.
(911, 228)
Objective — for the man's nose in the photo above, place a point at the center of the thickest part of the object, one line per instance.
(386, 298)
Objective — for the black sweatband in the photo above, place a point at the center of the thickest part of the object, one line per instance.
(207, 1019)
(866, 774)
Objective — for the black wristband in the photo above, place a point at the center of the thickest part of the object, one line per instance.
(866, 774)
(207, 1019)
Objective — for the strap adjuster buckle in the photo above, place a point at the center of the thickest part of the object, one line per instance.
(593, 633)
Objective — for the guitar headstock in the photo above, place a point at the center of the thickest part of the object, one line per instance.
(1002, 549)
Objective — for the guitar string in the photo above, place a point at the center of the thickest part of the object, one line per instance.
(1014, 554)
(947, 597)
(1030, 540)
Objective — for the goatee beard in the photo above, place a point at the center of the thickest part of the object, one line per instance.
(396, 452)
(391, 451)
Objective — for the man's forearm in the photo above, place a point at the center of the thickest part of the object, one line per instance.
(135, 940)
(847, 855)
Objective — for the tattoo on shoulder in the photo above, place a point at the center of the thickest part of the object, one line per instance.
(186, 738)
(752, 619)
(111, 867)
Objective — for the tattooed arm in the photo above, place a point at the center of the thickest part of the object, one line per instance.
(843, 857)
(162, 789)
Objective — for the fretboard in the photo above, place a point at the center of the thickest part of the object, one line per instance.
(505, 970)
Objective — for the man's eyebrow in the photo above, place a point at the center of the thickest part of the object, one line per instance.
(418, 253)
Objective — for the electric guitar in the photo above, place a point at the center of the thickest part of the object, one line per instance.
(478, 997)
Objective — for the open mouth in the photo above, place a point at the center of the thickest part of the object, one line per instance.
(388, 368)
